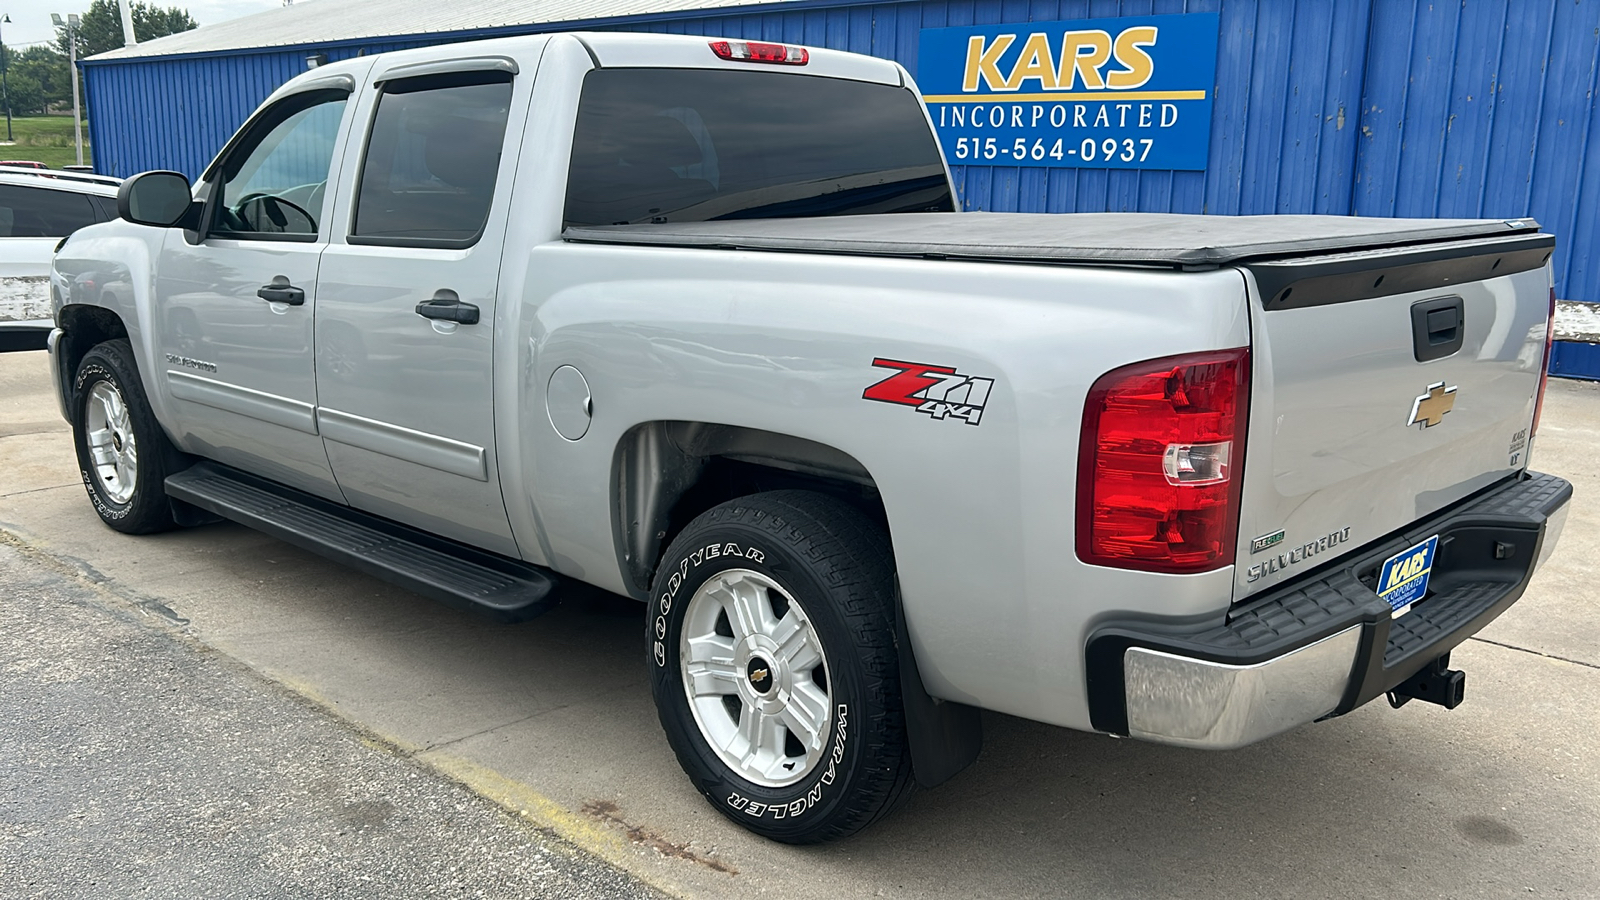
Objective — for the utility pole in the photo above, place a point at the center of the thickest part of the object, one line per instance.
(72, 63)
(5, 89)
(128, 40)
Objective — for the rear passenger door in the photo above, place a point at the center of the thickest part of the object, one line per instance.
(407, 297)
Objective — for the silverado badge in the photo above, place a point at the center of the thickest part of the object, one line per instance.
(1428, 410)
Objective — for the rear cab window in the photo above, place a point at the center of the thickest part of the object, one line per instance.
(695, 145)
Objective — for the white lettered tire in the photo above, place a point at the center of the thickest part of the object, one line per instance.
(123, 455)
(774, 669)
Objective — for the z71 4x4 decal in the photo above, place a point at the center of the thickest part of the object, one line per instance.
(939, 391)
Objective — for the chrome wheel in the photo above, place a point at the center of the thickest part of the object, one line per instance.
(756, 678)
(109, 434)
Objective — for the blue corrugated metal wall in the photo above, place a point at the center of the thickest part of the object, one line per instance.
(1283, 135)
(177, 113)
(1575, 359)
(1486, 109)
(1372, 107)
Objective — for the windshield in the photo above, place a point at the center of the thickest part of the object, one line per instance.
(694, 145)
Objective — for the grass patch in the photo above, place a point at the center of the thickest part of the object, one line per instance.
(46, 139)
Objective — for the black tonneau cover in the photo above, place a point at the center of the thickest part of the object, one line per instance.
(1163, 239)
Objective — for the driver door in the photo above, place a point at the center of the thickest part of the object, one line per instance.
(236, 307)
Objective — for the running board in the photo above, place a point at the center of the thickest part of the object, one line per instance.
(504, 589)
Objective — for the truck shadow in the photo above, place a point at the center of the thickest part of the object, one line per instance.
(1379, 797)
(1377, 803)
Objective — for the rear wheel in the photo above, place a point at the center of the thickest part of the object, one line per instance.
(774, 667)
(123, 455)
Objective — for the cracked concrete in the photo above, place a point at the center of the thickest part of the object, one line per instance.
(1499, 797)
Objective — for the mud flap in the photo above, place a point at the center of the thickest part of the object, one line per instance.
(945, 737)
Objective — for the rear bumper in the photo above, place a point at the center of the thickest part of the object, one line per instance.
(1325, 643)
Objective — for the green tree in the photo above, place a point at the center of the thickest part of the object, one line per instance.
(101, 27)
(23, 91)
(25, 95)
(46, 69)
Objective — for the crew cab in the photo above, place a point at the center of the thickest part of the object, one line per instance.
(697, 322)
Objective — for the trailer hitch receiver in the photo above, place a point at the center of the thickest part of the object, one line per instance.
(1436, 683)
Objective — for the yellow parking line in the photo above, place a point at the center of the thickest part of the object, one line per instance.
(513, 796)
(522, 800)
(509, 794)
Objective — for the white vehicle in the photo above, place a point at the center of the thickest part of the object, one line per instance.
(39, 207)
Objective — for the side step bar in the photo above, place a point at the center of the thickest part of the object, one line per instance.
(504, 589)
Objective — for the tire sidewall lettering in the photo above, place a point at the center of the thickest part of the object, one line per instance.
(813, 795)
(693, 569)
(106, 510)
(832, 560)
(90, 373)
(691, 562)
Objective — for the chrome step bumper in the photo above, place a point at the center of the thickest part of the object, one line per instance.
(1326, 643)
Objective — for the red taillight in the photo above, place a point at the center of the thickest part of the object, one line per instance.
(1544, 367)
(1159, 463)
(756, 51)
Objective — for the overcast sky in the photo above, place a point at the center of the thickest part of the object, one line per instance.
(30, 19)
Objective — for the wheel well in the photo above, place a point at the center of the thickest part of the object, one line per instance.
(83, 327)
(666, 473)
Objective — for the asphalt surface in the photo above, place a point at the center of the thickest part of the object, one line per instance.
(137, 763)
(552, 721)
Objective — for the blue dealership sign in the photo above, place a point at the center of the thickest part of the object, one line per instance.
(1125, 93)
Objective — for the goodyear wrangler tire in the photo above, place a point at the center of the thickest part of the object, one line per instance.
(774, 668)
(123, 455)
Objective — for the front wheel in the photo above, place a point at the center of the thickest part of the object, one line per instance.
(774, 668)
(123, 455)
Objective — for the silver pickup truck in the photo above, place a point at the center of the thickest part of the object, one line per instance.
(695, 321)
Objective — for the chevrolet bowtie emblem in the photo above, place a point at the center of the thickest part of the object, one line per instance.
(759, 675)
(1429, 409)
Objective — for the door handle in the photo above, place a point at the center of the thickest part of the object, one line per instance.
(447, 306)
(1438, 327)
(281, 291)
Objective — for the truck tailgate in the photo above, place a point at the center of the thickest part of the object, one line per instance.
(1387, 384)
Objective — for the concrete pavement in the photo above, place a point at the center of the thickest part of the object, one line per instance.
(554, 718)
(137, 763)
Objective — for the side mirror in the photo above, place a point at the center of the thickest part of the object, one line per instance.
(161, 199)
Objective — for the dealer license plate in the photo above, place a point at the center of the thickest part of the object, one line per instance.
(1404, 578)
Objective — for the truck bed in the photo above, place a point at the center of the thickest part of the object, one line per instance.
(1340, 357)
(1162, 239)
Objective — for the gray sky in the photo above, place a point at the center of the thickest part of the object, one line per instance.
(30, 19)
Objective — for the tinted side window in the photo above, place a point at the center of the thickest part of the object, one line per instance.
(428, 174)
(106, 206)
(273, 182)
(692, 145)
(41, 212)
